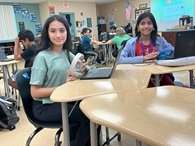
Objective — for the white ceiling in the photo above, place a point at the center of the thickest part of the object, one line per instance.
(98, 2)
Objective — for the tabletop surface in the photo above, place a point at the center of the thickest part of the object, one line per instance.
(123, 79)
(10, 62)
(159, 69)
(157, 116)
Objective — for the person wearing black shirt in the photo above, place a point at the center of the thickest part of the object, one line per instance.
(24, 48)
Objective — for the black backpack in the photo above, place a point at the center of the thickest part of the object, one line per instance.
(8, 116)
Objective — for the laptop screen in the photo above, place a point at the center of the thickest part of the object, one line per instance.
(2, 54)
(184, 44)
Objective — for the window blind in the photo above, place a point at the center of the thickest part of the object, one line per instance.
(8, 28)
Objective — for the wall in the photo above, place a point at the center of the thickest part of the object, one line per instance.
(44, 12)
(88, 10)
(32, 8)
(118, 9)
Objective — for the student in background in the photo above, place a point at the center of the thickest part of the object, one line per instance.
(24, 48)
(87, 39)
(112, 30)
(51, 69)
(25, 38)
(146, 46)
(118, 39)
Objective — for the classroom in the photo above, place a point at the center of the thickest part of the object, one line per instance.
(146, 100)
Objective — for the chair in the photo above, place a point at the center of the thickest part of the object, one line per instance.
(79, 48)
(22, 80)
(14, 88)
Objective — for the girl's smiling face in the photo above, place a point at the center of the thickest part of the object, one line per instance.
(57, 33)
(145, 26)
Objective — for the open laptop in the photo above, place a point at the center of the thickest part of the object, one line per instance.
(102, 73)
(184, 53)
(184, 44)
(3, 57)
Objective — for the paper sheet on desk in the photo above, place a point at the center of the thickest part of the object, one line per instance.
(177, 62)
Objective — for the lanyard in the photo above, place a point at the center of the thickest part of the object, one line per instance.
(143, 50)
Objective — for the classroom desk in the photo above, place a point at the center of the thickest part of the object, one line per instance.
(6, 74)
(159, 116)
(123, 79)
(159, 69)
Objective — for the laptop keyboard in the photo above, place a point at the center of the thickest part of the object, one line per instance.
(102, 72)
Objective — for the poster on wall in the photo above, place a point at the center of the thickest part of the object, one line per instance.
(21, 26)
(25, 13)
(38, 28)
(16, 8)
(111, 19)
(51, 10)
(89, 24)
(84, 23)
(33, 17)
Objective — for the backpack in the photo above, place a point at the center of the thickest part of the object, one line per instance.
(8, 116)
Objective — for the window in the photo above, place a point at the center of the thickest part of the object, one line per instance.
(7, 23)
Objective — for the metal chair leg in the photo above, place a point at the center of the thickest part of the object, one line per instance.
(138, 143)
(57, 137)
(119, 136)
(108, 139)
(32, 135)
(17, 96)
(107, 136)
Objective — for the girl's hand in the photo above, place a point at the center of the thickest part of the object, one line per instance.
(151, 56)
(70, 77)
(84, 67)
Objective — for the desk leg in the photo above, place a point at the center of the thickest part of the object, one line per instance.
(6, 86)
(157, 80)
(65, 123)
(191, 79)
(105, 53)
(138, 143)
(109, 53)
(93, 134)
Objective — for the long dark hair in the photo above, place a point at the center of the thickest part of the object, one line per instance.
(154, 32)
(45, 42)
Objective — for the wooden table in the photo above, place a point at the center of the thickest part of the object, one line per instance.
(159, 116)
(6, 74)
(159, 69)
(123, 79)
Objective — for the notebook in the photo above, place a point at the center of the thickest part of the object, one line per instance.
(102, 73)
(3, 57)
(184, 44)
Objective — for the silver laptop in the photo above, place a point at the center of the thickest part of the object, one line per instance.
(102, 73)
(3, 57)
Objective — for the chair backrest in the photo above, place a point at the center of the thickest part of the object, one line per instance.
(22, 80)
(124, 42)
(79, 48)
(77, 39)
